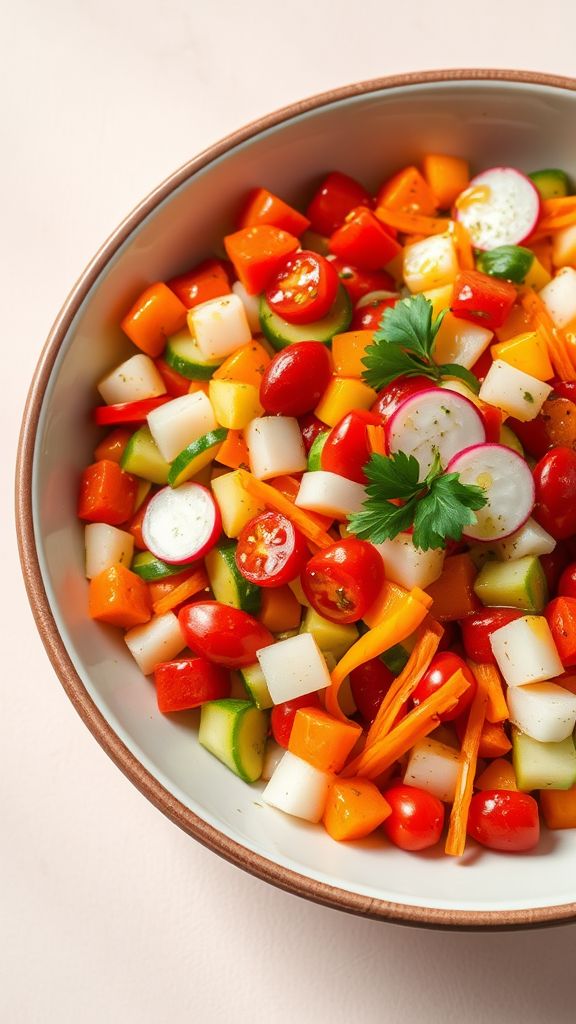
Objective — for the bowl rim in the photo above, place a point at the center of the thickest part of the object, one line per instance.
(210, 837)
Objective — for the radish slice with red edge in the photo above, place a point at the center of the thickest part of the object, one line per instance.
(508, 486)
(181, 524)
(501, 206)
(434, 422)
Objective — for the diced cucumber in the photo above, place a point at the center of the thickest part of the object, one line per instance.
(196, 456)
(331, 637)
(509, 262)
(315, 453)
(280, 333)
(228, 584)
(142, 457)
(150, 568)
(520, 584)
(551, 183)
(235, 732)
(253, 678)
(183, 355)
(543, 765)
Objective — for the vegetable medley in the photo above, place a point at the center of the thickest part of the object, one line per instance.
(335, 503)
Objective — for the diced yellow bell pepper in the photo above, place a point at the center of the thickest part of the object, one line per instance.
(342, 395)
(246, 365)
(559, 807)
(441, 298)
(235, 404)
(348, 351)
(236, 506)
(526, 352)
(537, 276)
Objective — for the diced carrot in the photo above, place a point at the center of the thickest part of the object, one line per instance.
(155, 315)
(246, 364)
(135, 526)
(519, 321)
(233, 451)
(107, 493)
(447, 177)
(198, 385)
(456, 839)
(556, 214)
(280, 610)
(413, 223)
(257, 253)
(405, 684)
(196, 582)
(355, 807)
(376, 439)
(463, 245)
(158, 589)
(452, 593)
(263, 207)
(499, 774)
(289, 487)
(493, 740)
(322, 740)
(272, 498)
(348, 351)
(112, 446)
(559, 357)
(407, 192)
(489, 677)
(206, 281)
(559, 807)
(176, 385)
(119, 597)
(390, 595)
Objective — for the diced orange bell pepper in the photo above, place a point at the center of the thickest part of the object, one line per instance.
(159, 589)
(355, 807)
(208, 280)
(389, 597)
(233, 451)
(447, 177)
(453, 593)
(280, 609)
(246, 365)
(348, 351)
(263, 207)
(407, 192)
(107, 493)
(559, 807)
(498, 775)
(257, 253)
(493, 741)
(119, 597)
(135, 526)
(112, 446)
(321, 740)
(517, 322)
(155, 315)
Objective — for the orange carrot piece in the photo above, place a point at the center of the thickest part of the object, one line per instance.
(412, 223)
(158, 589)
(322, 740)
(559, 807)
(257, 252)
(493, 740)
(499, 774)
(447, 177)
(289, 487)
(233, 451)
(389, 596)
(452, 593)
(552, 335)
(246, 365)
(405, 684)
(407, 192)
(355, 807)
(272, 498)
(207, 280)
(112, 446)
(155, 315)
(348, 351)
(193, 585)
(489, 677)
(198, 385)
(456, 839)
(280, 609)
(463, 245)
(263, 207)
(119, 597)
(376, 439)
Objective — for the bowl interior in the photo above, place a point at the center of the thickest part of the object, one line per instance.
(526, 125)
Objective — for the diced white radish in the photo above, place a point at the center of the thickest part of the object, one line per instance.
(376, 296)
(297, 788)
(181, 523)
(500, 207)
(272, 757)
(525, 651)
(508, 487)
(275, 446)
(293, 667)
(460, 341)
(530, 539)
(410, 566)
(434, 767)
(181, 421)
(430, 263)
(559, 297)
(158, 640)
(330, 494)
(132, 381)
(544, 711)
(564, 247)
(106, 546)
(220, 326)
(434, 422)
(251, 305)
(513, 391)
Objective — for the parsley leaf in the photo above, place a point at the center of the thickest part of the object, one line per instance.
(446, 510)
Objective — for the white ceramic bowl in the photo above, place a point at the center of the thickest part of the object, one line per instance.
(367, 130)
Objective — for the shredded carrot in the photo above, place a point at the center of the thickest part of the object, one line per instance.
(193, 585)
(456, 839)
(489, 677)
(412, 223)
(272, 498)
(558, 206)
(463, 245)
(556, 214)
(553, 337)
(376, 439)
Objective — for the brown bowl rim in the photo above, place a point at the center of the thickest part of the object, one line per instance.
(230, 850)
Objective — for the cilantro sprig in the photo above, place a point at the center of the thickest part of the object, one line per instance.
(438, 507)
(404, 343)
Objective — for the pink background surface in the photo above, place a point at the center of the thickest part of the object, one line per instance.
(109, 912)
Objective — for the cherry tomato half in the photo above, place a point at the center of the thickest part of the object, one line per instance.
(370, 683)
(392, 396)
(359, 282)
(441, 668)
(270, 550)
(477, 629)
(295, 379)
(223, 635)
(346, 449)
(304, 288)
(343, 581)
(504, 820)
(368, 316)
(283, 715)
(567, 581)
(555, 480)
(417, 818)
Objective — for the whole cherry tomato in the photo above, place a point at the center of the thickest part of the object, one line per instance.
(346, 449)
(555, 480)
(554, 565)
(567, 581)
(283, 715)
(270, 550)
(304, 288)
(477, 629)
(223, 635)
(368, 316)
(417, 818)
(392, 396)
(359, 282)
(441, 668)
(504, 820)
(310, 427)
(561, 616)
(342, 581)
(370, 683)
(336, 196)
(295, 379)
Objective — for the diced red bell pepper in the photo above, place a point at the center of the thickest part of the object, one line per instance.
(263, 207)
(127, 412)
(561, 616)
(492, 423)
(176, 385)
(189, 682)
(364, 241)
(135, 525)
(112, 446)
(336, 196)
(206, 281)
(346, 449)
(107, 494)
(482, 299)
(257, 254)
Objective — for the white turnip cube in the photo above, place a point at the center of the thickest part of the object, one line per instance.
(297, 788)
(275, 446)
(434, 767)
(251, 305)
(460, 341)
(544, 711)
(330, 494)
(559, 297)
(525, 651)
(132, 381)
(408, 565)
(181, 421)
(515, 392)
(530, 539)
(158, 640)
(293, 667)
(430, 263)
(106, 546)
(220, 326)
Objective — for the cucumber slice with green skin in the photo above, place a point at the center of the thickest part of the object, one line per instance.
(183, 355)
(235, 732)
(255, 684)
(508, 262)
(551, 183)
(280, 333)
(315, 453)
(142, 458)
(543, 765)
(520, 584)
(150, 568)
(228, 584)
(196, 456)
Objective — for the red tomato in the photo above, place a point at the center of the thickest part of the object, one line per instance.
(561, 616)
(304, 288)
(336, 196)
(482, 364)
(346, 449)
(283, 715)
(492, 423)
(567, 581)
(188, 682)
(359, 282)
(370, 683)
(342, 581)
(295, 379)
(482, 299)
(442, 667)
(270, 550)
(504, 820)
(127, 412)
(477, 629)
(310, 427)
(224, 635)
(392, 396)
(533, 435)
(417, 818)
(176, 385)
(364, 241)
(555, 479)
(368, 316)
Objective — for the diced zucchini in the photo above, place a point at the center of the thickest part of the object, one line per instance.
(333, 637)
(519, 584)
(280, 333)
(543, 765)
(315, 453)
(551, 183)
(228, 584)
(235, 732)
(255, 684)
(509, 262)
(183, 355)
(196, 456)
(150, 568)
(142, 458)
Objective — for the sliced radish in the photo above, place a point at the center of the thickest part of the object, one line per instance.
(181, 524)
(500, 207)
(508, 486)
(435, 421)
